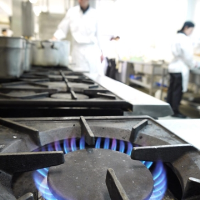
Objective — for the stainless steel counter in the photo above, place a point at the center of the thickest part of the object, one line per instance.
(143, 104)
(187, 129)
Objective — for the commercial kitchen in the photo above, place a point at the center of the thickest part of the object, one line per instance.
(68, 132)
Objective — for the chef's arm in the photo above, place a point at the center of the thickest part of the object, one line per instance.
(63, 28)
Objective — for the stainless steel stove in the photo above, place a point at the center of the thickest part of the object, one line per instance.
(57, 92)
(95, 158)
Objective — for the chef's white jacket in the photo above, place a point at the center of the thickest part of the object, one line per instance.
(84, 28)
(182, 50)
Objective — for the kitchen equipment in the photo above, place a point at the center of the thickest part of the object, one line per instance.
(63, 92)
(51, 53)
(101, 158)
(28, 56)
(11, 56)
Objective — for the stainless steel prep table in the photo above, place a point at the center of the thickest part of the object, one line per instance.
(151, 69)
(193, 99)
(143, 104)
(187, 129)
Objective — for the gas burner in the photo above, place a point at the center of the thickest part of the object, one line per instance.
(52, 93)
(20, 93)
(85, 166)
(68, 96)
(137, 138)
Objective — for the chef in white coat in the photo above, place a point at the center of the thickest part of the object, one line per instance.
(179, 68)
(82, 21)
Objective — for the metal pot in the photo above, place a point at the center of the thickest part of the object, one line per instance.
(51, 53)
(28, 56)
(11, 56)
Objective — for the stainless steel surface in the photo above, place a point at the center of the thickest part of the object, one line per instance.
(12, 56)
(187, 129)
(192, 99)
(148, 69)
(12, 42)
(195, 77)
(125, 72)
(143, 104)
(51, 53)
(28, 56)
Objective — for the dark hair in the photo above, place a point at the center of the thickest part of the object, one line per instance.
(187, 24)
(117, 37)
(3, 30)
(112, 38)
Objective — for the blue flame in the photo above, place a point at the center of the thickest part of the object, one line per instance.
(57, 146)
(73, 144)
(66, 146)
(43, 172)
(41, 184)
(98, 143)
(121, 146)
(160, 182)
(114, 145)
(106, 143)
(129, 149)
(43, 148)
(147, 164)
(50, 148)
(82, 143)
(159, 174)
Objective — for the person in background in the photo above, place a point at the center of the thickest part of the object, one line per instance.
(112, 57)
(179, 68)
(4, 32)
(82, 21)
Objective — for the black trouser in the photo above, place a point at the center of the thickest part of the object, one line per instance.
(111, 70)
(174, 94)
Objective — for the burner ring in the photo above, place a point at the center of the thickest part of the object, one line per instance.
(79, 179)
(68, 96)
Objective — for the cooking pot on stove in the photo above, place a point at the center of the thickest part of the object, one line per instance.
(12, 56)
(28, 56)
(51, 53)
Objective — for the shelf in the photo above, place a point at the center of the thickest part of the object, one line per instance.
(140, 83)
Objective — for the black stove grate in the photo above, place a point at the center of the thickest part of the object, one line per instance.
(57, 93)
(112, 133)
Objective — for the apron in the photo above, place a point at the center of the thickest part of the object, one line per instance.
(87, 58)
(183, 69)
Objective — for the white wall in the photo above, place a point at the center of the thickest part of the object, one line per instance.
(196, 19)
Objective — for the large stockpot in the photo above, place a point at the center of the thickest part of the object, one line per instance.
(51, 53)
(11, 56)
(28, 56)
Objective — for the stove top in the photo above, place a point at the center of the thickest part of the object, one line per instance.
(54, 93)
(95, 158)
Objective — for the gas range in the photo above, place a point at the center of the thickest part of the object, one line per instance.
(57, 92)
(95, 158)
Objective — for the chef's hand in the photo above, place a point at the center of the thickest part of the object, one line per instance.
(101, 58)
(54, 38)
